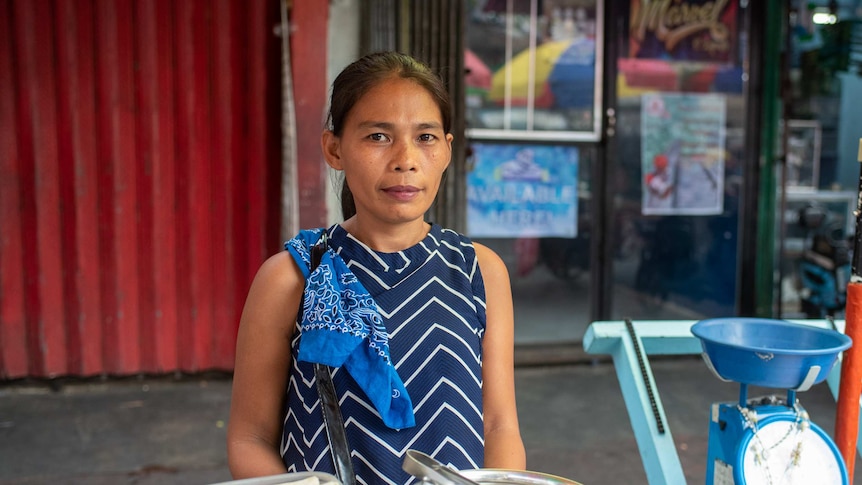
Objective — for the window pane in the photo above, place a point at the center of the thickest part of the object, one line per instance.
(531, 67)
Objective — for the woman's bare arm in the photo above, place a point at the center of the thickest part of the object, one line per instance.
(261, 368)
(503, 445)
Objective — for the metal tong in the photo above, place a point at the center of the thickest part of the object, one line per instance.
(432, 471)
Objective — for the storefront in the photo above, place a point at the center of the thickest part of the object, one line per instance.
(626, 157)
(608, 141)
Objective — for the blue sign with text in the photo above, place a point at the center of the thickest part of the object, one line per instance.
(522, 191)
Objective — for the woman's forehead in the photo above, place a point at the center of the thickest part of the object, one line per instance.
(396, 97)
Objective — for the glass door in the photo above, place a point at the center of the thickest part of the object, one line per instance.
(533, 110)
(676, 136)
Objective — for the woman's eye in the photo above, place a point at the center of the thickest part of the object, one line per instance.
(427, 137)
(377, 136)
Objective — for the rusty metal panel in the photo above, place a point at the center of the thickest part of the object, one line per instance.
(77, 141)
(13, 320)
(139, 168)
(156, 151)
(116, 151)
(310, 103)
(36, 122)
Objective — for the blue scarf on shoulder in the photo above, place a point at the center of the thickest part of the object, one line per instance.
(341, 326)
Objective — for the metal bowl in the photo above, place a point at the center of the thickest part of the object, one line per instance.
(284, 479)
(429, 471)
(491, 476)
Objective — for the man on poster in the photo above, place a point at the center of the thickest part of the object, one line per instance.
(659, 184)
(682, 147)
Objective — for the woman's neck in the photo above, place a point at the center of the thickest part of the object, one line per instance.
(387, 238)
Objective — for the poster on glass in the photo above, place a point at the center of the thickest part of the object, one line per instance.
(522, 191)
(682, 153)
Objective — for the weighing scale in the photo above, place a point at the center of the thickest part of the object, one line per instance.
(769, 440)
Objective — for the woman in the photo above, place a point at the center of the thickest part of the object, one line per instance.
(427, 362)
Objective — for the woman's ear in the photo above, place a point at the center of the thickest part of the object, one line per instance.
(449, 139)
(331, 147)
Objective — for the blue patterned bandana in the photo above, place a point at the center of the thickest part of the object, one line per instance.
(341, 325)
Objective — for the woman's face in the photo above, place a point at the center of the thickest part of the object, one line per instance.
(393, 152)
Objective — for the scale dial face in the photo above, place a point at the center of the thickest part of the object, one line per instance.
(783, 451)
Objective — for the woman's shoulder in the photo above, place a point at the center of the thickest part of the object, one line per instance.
(279, 269)
(489, 261)
(289, 268)
(299, 247)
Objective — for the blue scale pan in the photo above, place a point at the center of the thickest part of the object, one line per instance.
(769, 353)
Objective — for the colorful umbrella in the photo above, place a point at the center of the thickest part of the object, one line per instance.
(478, 75)
(564, 75)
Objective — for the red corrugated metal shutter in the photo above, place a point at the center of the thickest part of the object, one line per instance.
(139, 181)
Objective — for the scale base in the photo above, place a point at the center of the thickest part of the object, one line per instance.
(769, 441)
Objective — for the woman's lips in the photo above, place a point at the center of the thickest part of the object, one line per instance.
(401, 192)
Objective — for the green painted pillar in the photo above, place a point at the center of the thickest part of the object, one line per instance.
(765, 285)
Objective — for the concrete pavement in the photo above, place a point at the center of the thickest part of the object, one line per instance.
(171, 430)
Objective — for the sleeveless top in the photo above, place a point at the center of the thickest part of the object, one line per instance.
(432, 299)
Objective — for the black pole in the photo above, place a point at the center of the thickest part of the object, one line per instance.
(857, 239)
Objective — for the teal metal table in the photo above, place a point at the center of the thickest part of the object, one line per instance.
(630, 343)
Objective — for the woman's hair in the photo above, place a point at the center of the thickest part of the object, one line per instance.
(361, 76)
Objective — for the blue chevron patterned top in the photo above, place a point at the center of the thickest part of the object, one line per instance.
(432, 300)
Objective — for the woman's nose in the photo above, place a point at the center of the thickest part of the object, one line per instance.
(404, 158)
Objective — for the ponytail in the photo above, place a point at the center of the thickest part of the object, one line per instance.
(348, 207)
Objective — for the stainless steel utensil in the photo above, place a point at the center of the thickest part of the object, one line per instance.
(432, 471)
(495, 476)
